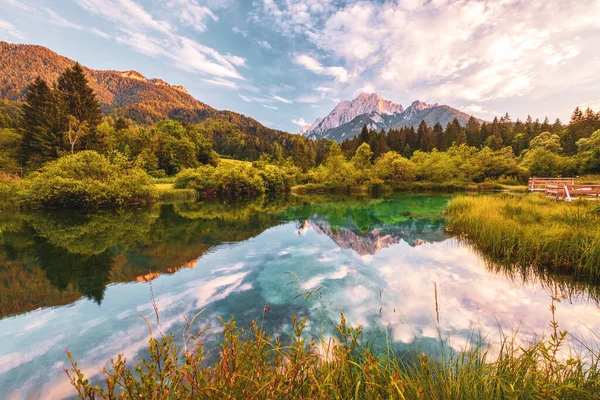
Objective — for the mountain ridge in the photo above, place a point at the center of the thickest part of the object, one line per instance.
(348, 117)
(127, 93)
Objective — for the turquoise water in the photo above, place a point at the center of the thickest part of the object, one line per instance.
(81, 281)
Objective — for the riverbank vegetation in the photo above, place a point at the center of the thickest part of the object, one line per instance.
(253, 365)
(60, 121)
(531, 231)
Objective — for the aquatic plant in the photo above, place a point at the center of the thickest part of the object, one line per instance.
(530, 231)
(252, 365)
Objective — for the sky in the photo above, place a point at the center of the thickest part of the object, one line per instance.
(287, 62)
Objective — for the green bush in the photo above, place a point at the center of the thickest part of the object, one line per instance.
(392, 167)
(195, 178)
(238, 180)
(87, 180)
(275, 179)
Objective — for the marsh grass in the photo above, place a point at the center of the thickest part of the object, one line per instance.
(253, 365)
(531, 231)
(166, 192)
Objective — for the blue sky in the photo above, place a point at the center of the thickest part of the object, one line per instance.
(286, 62)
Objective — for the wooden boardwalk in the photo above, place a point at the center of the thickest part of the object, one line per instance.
(564, 189)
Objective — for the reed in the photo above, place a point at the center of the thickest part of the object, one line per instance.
(531, 231)
(252, 365)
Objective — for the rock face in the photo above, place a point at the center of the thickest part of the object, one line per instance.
(348, 117)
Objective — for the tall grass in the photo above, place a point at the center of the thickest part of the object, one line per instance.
(252, 365)
(531, 231)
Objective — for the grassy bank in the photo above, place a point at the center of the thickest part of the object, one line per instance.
(166, 192)
(531, 231)
(253, 366)
(416, 186)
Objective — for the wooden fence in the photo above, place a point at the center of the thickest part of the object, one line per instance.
(539, 184)
(573, 192)
(564, 189)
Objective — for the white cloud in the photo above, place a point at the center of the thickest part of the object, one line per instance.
(323, 89)
(126, 13)
(450, 50)
(159, 38)
(594, 105)
(281, 99)
(300, 122)
(265, 44)
(339, 73)
(479, 111)
(6, 28)
(221, 82)
(239, 31)
(191, 13)
(246, 99)
(270, 107)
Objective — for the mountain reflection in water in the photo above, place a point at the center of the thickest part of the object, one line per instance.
(80, 280)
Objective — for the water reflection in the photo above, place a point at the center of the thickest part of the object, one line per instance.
(376, 260)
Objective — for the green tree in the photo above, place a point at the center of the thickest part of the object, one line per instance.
(548, 141)
(80, 102)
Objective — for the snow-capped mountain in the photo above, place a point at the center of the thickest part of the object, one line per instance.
(348, 117)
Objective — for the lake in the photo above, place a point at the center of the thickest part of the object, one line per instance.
(81, 280)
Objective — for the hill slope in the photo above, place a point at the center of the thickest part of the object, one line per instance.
(126, 93)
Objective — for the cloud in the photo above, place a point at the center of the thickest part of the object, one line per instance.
(339, 73)
(281, 99)
(239, 31)
(221, 82)
(6, 28)
(300, 122)
(246, 99)
(270, 107)
(126, 13)
(594, 105)
(449, 50)
(54, 18)
(479, 111)
(265, 44)
(323, 90)
(148, 35)
(191, 13)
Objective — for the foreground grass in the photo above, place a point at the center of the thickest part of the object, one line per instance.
(251, 365)
(531, 231)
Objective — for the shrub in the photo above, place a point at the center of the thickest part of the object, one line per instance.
(275, 179)
(238, 180)
(195, 178)
(392, 167)
(87, 180)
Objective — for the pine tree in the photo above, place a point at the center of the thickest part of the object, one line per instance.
(472, 131)
(80, 101)
(42, 124)
(438, 135)
(423, 133)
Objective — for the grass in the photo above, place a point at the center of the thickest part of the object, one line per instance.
(531, 231)
(166, 192)
(252, 365)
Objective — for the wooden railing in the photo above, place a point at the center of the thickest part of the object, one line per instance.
(572, 192)
(540, 184)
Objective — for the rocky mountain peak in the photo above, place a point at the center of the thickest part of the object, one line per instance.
(346, 111)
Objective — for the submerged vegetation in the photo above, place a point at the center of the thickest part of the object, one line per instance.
(531, 231)
(253, 365)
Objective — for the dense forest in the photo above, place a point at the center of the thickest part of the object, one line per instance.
(59, 137)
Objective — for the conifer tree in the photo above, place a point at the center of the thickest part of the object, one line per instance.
(425, 142)
(80, 101)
